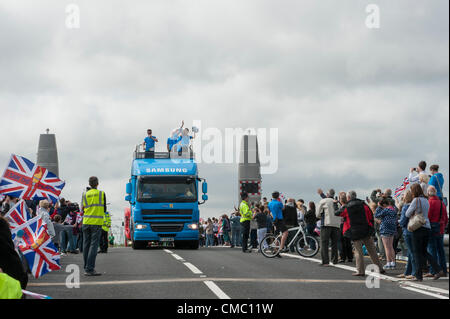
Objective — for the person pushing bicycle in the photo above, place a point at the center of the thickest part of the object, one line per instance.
(276, 208)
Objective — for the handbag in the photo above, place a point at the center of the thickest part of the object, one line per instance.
(417, 220)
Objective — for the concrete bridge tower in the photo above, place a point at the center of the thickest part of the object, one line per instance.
(47, 155)
(249, 172)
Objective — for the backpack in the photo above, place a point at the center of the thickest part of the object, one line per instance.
(226, 226)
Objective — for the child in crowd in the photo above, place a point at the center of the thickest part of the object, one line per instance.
(387, 217)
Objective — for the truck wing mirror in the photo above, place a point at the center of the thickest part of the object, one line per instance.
(128, 198)
(128, 188)
(205, 187)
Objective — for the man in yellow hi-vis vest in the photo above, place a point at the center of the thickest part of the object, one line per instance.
(94, 208)
(246, 217)
(105, 230)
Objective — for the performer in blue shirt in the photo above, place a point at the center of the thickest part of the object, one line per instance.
(149, 141)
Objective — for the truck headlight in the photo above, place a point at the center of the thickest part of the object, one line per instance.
(193, 226)
(141, 226)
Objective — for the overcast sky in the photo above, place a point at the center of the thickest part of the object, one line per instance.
(355, 107)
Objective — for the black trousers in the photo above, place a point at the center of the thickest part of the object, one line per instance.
(254, 238)
(104, 241)
(245, 227)
(346, 250)
(420, 242)
(327, 233)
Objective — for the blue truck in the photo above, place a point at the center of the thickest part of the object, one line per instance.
(163, 193)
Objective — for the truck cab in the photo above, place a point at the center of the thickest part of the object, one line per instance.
(163, 193)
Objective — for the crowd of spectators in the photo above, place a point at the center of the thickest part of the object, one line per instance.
(352, 227)
(63, 221)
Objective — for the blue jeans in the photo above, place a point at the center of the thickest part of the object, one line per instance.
(209, 240)
(68, 240)
(420, 239)
(91, 238)
(411, 265)
(236, 236)
(261, 233)
(436, 249)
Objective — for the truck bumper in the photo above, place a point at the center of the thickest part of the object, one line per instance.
(148, 235)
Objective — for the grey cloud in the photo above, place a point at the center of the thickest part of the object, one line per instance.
(355, 108)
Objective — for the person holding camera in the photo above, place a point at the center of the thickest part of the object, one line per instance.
(416, 172)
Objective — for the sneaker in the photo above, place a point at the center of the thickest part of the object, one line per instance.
(428, 275)
(401, 276)
(387, 267)
(410, 277)
(92, 273)
(438, 275)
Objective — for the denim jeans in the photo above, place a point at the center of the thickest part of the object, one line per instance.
(68, 240)
(261, 233)
(236, 236)
(436, 249)
(411, 265)
(91, 238)
(209, 240)
(420, 240)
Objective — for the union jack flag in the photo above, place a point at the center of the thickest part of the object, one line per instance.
(399, 190)
(17, 217)
(24, 179)
(38, 249)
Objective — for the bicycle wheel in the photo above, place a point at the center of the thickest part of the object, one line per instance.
(270, 246)
(308, 248)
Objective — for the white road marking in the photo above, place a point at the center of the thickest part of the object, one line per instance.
(180, 280)
(425, 293)
(177, 257)
(168, 251)
(216, 290)
(418, 287)
(194, 269)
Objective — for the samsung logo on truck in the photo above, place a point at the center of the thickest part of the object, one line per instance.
(166, 170)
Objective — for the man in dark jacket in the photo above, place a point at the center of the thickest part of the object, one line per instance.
(358, 226)
(10, 261)
(290, 219)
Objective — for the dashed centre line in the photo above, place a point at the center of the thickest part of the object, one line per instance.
(210, 284)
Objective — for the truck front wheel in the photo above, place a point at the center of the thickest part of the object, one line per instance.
(139, 244)
(192, 244)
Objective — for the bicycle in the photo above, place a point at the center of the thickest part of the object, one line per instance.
(270, 245)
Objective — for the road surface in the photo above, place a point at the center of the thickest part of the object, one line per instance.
(222, 273)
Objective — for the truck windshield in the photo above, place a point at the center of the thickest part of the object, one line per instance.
(166, 189)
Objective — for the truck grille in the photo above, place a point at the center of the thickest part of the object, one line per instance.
(166, 227)
(167, 212)
(187, 218)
